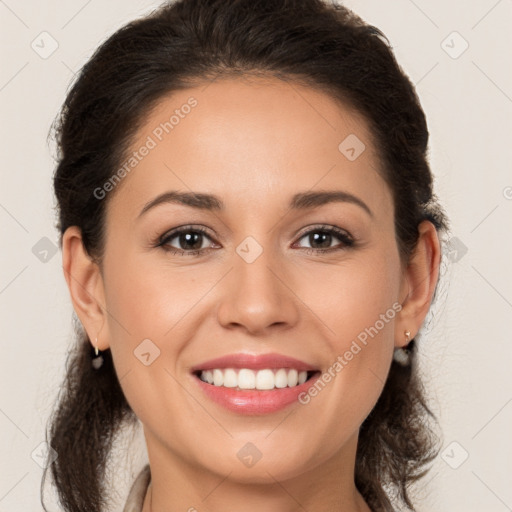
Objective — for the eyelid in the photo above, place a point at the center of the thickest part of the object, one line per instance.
(203, 230)
(171, 233)
(324, 227)
(346, 239)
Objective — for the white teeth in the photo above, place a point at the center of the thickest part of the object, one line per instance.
(281, 378)
(230, 378)
(246, 379)
(218, 377)
(293, 377)
(250, 379)
(265, 379)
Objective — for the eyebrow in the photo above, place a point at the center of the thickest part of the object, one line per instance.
(300, 201)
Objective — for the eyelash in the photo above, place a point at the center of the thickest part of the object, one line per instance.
(344, 237)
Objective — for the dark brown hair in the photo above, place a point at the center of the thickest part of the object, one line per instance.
(185, 43)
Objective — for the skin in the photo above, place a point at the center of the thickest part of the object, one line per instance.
(254, 144)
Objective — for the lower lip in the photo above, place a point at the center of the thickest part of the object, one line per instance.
(253, 401)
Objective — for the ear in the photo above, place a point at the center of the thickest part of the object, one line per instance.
(85, 284)
(418, 284)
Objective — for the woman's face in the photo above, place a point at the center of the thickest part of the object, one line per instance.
(264, 277)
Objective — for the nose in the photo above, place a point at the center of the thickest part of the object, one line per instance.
(258, 296)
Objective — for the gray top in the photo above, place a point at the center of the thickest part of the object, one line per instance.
(138, 491)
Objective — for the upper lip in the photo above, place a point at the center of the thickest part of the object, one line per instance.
(254, 362)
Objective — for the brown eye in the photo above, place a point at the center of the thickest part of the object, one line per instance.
(321, 239)
(185, 241)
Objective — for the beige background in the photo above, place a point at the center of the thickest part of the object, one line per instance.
(468, 351)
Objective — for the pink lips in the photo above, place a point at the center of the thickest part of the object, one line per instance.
(254, 402)
(254, 362)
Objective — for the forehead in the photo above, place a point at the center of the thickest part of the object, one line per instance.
(250, 139)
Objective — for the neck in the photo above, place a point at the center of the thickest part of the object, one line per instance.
(178, 486)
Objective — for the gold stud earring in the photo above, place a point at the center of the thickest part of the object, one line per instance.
(402, 356)
(98, 359)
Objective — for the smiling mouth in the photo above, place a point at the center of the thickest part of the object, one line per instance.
(244, 379)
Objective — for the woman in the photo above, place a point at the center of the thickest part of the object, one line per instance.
(251, 243)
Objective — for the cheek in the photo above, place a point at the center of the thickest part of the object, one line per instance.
(150, 299)
(144, 310)
(358, 307)
(353, 297)
(152, 309)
